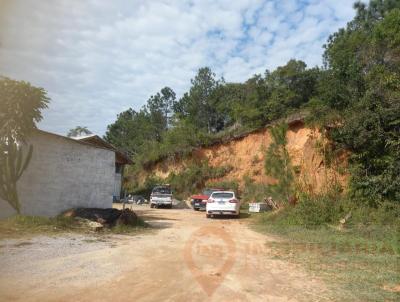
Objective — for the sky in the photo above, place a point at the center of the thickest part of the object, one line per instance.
(98, 58)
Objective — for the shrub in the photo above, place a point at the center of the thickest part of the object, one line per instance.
(254, 192)
(226, 185)
(194, 177)
(321, 210)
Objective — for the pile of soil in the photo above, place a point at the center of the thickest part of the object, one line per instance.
(107, 217)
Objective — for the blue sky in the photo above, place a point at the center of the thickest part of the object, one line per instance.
(98, 58)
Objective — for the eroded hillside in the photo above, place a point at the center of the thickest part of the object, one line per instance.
(245, 157)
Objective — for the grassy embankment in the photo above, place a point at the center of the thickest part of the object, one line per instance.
(358, 261)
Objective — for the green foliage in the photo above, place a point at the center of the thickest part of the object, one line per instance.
(362, 85)
(13, 162)
(78, 131)
(20, 109)
(146, 188)
(368, 243)
(196, 105)
(278, 165)
(188, 181)
(225, 184)
(291, 86)
(21, 225)
(254, 192)
(315, 211)
(134, 131)
(312, 212)
(36, 224)
(194, 177)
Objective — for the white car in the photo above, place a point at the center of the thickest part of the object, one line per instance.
(223, 203)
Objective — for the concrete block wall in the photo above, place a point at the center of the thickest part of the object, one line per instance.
(64, 174)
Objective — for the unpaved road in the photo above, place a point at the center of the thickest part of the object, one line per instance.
(188, 258)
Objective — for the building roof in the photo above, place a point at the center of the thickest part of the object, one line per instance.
(96, 142)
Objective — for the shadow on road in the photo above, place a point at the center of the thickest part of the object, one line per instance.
(228, 217)
(155, 224)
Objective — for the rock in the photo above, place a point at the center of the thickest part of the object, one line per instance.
(96, 226)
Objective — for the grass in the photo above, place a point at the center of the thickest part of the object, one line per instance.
(20, 226)
(358, 263)
(130, 230)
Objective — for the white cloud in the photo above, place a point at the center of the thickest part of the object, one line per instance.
(98, 58)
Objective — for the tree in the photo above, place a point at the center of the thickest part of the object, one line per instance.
(20, 110)
(162, 104)
(196, 106)
(78, 131)
(290, 86)
(362, 84)
(131, 130)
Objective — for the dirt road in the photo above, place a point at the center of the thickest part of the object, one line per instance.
(188, 258)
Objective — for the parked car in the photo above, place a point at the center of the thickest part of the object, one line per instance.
(199, 201)
(138, 199)
(161, 196)
(223, 203)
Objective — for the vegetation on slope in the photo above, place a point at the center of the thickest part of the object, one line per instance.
(355, 97)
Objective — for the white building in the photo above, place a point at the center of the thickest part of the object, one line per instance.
(65, 173)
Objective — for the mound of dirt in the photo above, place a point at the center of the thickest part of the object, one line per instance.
(180, 204)
(109, 217)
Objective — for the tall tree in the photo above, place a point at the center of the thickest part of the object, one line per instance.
(131, 130)
(196, 105)
(20, 110)
(291, 86)
(161, 106)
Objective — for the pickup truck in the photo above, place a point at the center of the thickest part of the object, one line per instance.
(199, 201)
(161, 196)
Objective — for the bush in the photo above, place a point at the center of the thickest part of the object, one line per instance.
(194, 177)
(254, 192)
(148, 185)
(321, 210)
(226, 185)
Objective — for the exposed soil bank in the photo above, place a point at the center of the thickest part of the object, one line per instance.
(246, 156)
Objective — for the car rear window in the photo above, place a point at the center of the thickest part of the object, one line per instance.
(222, 195)
(162, 190)
(208, 192)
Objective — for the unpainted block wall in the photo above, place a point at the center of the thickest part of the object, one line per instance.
(64, 174)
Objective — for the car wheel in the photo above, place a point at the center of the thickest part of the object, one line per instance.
(196, 209)
(208, 215)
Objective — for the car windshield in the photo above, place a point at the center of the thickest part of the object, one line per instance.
(222, 195)
(162, 190)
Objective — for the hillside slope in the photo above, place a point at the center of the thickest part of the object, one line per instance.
(246, 156)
